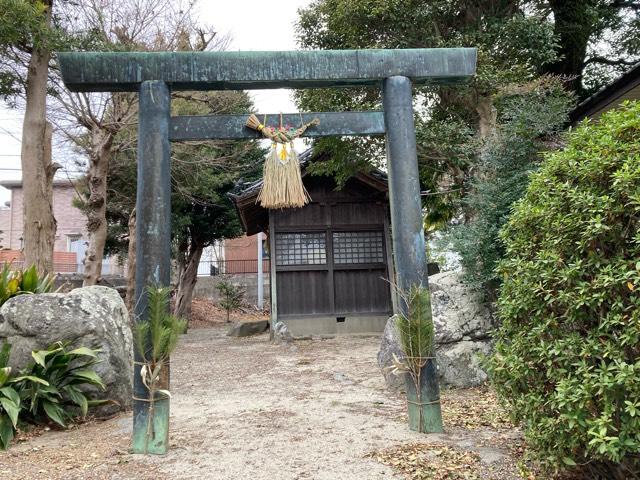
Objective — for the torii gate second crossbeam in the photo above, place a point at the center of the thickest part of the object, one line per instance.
(154, 74)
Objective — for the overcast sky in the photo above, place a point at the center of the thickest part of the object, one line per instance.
(249, 25)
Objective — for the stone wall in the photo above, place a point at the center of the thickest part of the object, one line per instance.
(69, 281)
(206, 287)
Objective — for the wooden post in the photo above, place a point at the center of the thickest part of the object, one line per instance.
(153, 250)
(260, 273)
(272, 273)
(409, 249)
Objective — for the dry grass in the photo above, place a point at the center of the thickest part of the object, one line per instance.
(206, 313)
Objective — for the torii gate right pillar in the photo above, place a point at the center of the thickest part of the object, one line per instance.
(409, 249)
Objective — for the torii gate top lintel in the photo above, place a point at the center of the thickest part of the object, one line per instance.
(125, 71)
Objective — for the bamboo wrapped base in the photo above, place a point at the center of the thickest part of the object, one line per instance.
(152, 438)
(423, 404)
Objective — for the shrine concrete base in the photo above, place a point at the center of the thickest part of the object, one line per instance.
(341, 325)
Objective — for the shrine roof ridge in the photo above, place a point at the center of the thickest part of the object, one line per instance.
(124, 71)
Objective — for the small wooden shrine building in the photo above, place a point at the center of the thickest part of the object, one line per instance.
(331, 259)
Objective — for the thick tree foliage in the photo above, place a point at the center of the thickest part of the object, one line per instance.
(529, 121)
(567, 354)
(459, 129)
(91, 121)
(597, 39)
(511, 46)
(29, 32)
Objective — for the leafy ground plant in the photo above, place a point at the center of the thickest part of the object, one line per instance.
(9, 400)
(54, 386)
(11, 406)
(17, 282)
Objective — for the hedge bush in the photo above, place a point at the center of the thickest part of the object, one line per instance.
(567, 355)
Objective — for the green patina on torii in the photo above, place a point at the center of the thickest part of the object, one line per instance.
(153, 75)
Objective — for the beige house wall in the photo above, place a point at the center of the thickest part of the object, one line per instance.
(71, 221)
(5, 225)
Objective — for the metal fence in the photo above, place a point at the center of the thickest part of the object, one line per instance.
(226, 267)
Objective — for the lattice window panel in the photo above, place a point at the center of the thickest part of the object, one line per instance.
(358, 247)
(301, 249)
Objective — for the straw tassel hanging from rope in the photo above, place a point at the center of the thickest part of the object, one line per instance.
(282, 185)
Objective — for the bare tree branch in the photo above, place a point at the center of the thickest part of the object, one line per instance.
(625, 4)
(610, 61)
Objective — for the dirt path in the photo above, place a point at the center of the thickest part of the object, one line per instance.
(247, 409)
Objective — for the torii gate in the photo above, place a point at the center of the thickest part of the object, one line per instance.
(153, 75)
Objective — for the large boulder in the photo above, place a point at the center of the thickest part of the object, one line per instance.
(459, 363)
(462, 332)
(94, 317)
(458, 312)
(246, 329)
(390, 346)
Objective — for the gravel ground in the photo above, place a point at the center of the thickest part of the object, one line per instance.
(247, 409)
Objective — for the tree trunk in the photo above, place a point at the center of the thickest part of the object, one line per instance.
(187, 280)
(487, 116)
(101, 142)
(37, 169)
(573, 28)
(131, 262)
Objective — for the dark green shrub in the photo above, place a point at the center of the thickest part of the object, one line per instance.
(567, 356)
(231, 296)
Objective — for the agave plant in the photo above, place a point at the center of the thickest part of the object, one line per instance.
(17, 282)
(53, 386)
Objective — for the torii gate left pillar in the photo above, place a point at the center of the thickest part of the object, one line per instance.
(153, 242)
(154, 74)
